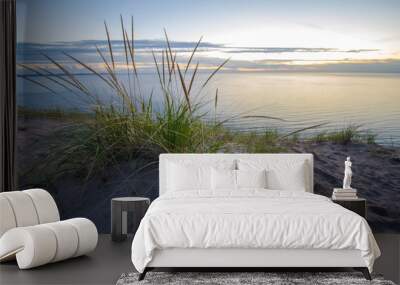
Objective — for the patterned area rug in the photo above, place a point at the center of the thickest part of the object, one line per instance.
(273, 278)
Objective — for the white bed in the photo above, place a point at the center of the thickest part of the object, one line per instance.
(249, 227)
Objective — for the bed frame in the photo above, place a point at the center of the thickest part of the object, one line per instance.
(260, 259)
(250, 259)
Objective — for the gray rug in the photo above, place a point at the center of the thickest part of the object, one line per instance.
(229, 278)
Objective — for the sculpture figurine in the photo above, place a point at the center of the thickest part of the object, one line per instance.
(348, 173)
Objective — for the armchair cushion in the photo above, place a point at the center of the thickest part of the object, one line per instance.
(31, 231)
(40, 244)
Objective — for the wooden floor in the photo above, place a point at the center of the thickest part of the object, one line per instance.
(103, 266)
(110, 260)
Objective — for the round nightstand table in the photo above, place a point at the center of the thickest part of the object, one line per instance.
(120, 207)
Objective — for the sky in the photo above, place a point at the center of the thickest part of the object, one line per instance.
(258, 35)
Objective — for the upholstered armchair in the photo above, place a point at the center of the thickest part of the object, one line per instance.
(31, 231)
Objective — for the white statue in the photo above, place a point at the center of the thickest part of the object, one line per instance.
(347, 174)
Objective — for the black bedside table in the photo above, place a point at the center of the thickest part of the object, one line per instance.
(120, 208)
(358, 206)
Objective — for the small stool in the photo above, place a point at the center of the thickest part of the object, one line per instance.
(120, 207)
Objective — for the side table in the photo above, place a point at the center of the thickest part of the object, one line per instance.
(120, 207)
(358, 206)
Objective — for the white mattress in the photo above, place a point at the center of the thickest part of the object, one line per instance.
(252, 219)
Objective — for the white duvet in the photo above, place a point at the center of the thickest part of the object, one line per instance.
(250, 219)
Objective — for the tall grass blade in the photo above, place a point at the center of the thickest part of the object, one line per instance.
(88, 68)
(61, 79)
(168, 64)
(39, 84)
(109, 45)
(48, 75)
(120, 88)
(157, 68)
(132, 54)
(214, 72)
(125, 40)
(163, 67)
(185, 91)
(302, 130)
(79, 85)
(132, 37)
(169, 48)
(216, 101)
(215, 105)
(193, 77)
(58, 76)
(263, 117)
(191, 56)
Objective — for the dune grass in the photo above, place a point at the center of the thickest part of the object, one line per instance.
(268, 141)
(349, 134)
(114, 133)
(131, 127)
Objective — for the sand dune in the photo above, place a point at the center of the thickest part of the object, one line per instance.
(376, 176)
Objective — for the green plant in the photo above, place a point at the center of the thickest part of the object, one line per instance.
(119, 132)
(349, 134)
(122, 132)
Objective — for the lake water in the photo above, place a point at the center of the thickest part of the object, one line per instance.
(301, 99)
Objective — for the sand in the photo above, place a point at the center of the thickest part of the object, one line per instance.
(376, 176)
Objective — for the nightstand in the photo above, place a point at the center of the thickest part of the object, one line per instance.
(358, 206)
(120, 207)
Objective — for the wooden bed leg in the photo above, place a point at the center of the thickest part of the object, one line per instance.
(364, 271)
(143, 274)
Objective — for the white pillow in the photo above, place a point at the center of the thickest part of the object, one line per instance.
(281, 174)
(188, 177)
(251, 178)
(223, 179)
(288, 176)
(193, 174)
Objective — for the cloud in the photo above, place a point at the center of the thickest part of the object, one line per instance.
(277, 50)
(298, 65)
(370, 66)
(360, 50)
(295, 49)
(210, 55)
(90, 45)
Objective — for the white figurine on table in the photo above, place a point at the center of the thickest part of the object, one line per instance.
(348, 173)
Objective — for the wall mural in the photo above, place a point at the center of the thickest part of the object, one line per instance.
(101, 94)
